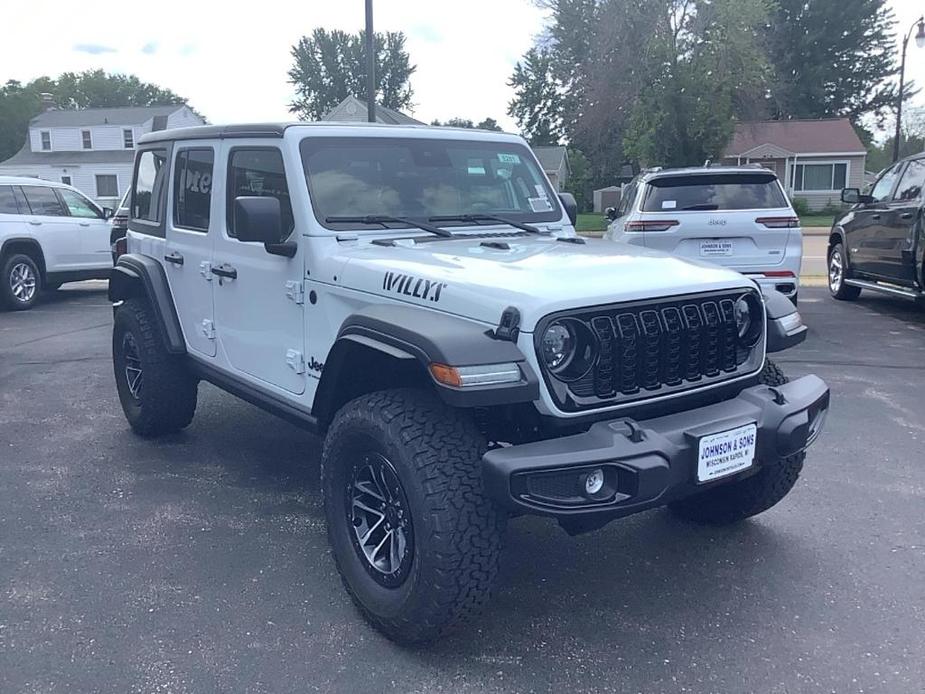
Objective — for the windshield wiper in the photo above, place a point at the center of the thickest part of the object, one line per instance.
(476, 218)
(385, 220)
(702, 206)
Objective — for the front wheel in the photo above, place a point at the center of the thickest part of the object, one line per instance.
(414, 537)
(735, 501)
(838, 272)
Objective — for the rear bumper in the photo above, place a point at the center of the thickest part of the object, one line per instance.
(649, 463)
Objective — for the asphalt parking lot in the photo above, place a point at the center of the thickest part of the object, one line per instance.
(199, 563)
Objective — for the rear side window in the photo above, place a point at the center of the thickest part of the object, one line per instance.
(192, 189)
(8, 201)
(43, 200)
(150, 186)
(910, 185)
(714, 192)
(260, 172)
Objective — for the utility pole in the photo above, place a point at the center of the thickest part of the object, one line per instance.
(920, 42)
(370, 65)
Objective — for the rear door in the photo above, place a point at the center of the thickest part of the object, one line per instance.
(740, 220)
(57, 230)
(188, 255)
(92, 228)
(899, 224)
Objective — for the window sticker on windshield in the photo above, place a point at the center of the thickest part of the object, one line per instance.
(669, 204)
(477, 170)
(508, 158)
(540, 204)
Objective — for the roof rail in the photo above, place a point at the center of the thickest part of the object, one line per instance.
(651, 169)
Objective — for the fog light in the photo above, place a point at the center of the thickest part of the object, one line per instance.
(594, 482)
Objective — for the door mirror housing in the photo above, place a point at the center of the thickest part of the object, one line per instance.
(108, 213)
(571, 207)
(853, 196)
(611, 213)
(259, 219)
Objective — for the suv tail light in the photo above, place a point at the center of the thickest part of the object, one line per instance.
(119, 220)
(779, 222)
(651, 225)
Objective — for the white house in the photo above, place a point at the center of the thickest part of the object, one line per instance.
(92, 149)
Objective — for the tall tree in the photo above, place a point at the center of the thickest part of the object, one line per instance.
(538, 98)
(486, 124)
(833, 59)
(90, 89)
(329, 66)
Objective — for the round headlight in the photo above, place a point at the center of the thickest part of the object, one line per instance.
(748, 316)
(558, 346)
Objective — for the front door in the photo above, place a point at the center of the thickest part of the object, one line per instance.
(901, 218)
(258, 304)
(188, 256)
(866, 236)
(92, 228)
(58, 231)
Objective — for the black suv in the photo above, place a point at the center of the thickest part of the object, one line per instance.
(880, 242)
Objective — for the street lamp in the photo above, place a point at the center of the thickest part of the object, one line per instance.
(920, 42)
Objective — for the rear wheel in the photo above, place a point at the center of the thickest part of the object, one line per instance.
(838, 272)
(21, 282)
(415, 538)
(735, 501)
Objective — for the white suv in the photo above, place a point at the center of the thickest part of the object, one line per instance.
(738, 217)
(50, 233)
(418, 297)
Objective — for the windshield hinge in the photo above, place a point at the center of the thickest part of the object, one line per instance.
(295, 291)
(295, 360)
(509, 325)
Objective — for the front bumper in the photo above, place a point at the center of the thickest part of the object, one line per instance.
(652, 462)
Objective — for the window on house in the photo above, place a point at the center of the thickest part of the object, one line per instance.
(46, 140)
(43, 201)
(150, 186)
(66, 180)
(258, 172)
(107, 186)
(87, 140)
(192, 189)
(820, 177)
(128, 138)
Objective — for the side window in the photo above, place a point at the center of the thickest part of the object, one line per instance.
(260, 172)
(44, 201)
(192, 189)
(78, 206)
(8, 201)
(150, 186)
(628, 196)
(910, 185)
(884, 187)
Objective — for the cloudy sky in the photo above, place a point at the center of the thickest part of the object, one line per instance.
(231, 64)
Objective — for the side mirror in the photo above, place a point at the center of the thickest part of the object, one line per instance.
(611, 213)
(571, 207)
(259, 219)
(853, 196)
(107, 213)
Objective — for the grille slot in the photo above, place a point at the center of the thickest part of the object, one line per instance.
(646, 348)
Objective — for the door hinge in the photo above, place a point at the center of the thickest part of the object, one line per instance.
(205, 269)
(295, 291)
(295, 360)
(208, 328)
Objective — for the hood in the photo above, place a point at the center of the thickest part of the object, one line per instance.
(478, 278)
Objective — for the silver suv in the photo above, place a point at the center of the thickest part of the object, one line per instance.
(738, 217)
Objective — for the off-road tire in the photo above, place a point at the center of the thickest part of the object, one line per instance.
(436, 452)
(837, 288)
(166, 401)
(735, 501)
(7, 298)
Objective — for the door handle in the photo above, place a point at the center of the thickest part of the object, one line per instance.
(906, 215)
(84, 224)
(225, 270)
(875, 217)
(35, 222)
(174, 258)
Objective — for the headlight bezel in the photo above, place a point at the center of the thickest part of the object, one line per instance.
(582, 355)
(753, 329)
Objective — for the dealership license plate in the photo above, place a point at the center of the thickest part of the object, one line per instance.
(726, 453)
(715, 249)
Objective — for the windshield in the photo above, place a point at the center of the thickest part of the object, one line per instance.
(418, 178)
(754, 191)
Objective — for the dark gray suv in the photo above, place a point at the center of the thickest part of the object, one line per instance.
(879, 244)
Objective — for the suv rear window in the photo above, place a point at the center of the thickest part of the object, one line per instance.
(714, 192)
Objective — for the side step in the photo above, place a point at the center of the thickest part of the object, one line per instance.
(885, 288)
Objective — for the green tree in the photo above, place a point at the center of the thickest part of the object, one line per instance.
(487, 124)
(579, 181)
(538, 98)
(329, 66)
(833, 59)
(90, 89)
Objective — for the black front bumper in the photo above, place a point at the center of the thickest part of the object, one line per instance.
(652, 462)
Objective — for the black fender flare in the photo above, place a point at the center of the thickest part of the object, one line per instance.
(137, 275)
(423, 337)
(837, 235)
(784, 329)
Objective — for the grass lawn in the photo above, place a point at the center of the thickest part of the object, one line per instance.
(816, 220)
(591, 222)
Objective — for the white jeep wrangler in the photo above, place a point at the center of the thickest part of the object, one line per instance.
(419, 297)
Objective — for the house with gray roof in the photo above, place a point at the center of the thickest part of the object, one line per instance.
(92, 149)
(554, 160)
(353, 110)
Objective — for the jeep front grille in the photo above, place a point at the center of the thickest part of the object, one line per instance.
(654, 348)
